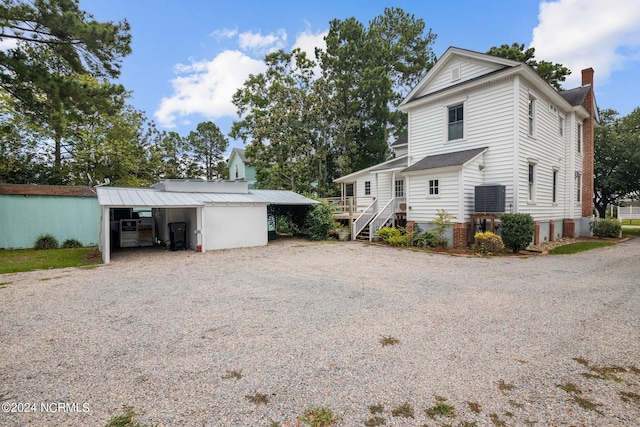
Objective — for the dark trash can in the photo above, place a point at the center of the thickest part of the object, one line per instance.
(178, 236)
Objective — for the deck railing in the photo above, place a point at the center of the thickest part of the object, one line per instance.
(382, 217)
(365, 217)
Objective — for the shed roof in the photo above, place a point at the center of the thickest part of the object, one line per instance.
(47, 190)
(457, 158)
(240, 153)
(150, 197)
(402, 140)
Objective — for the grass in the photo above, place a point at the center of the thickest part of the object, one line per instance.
(474, 407)
(126, 419)
(320, 416)
(20, 260)
(4, 284)
(375, 422)
(630, 222)
(586, 404)
(385, 341)
(405, 410)
(441, 409)
(570, 388)
(630, 231)
(502, 386)
(574, 248)
(376, 409)
(628, 396)
(257, 398)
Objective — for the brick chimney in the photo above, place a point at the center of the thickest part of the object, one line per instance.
(587, 146)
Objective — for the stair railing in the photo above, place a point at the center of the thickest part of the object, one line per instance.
(361, 222)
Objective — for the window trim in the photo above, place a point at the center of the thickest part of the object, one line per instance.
(580, 130)
(532, 181)
(561, 126)
(433, 187)
(367, 188)
(531, 116)
(401, 187)
(455, 103)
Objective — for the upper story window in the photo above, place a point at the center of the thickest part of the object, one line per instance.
(579, 138)
(367, 188)
(434, 187)
(400, 188)
(532, 112)
(456, 122)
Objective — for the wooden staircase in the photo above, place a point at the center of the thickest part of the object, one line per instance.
(364, 234)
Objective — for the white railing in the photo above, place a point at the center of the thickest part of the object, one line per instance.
(381, 219)
(361, 222)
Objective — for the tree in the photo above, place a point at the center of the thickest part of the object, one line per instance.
(283, 122)
(554, 74)
(371, 70)
(616, 159)
(208, 144)
(56, 44)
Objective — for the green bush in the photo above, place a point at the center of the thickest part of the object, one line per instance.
(606, 227)
(517, 230)
(46, 241)
(385, 233)
(319, 221)
(428, 239)
(71, 243)
(399, 240)
(488, 243)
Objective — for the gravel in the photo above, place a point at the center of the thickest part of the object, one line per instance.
(169, 333)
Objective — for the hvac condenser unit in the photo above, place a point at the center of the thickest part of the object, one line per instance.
(490, 199)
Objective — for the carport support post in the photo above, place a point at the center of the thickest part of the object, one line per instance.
(106, 235)
(199, 233)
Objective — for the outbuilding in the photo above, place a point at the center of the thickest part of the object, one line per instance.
(189, 214)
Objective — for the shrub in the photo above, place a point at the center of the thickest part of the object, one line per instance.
(46, 241)
(517, 230)
(398, 240)
(71, 243)
(606, 227)
(488, 243)
(442, 222)
(385, 233)
(318, 221)
(428, 239)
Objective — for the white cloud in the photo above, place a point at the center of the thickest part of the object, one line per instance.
(308, 41)
(207, 87)
(8, 43)
(580, 34)
(225, 33)
(260, 45)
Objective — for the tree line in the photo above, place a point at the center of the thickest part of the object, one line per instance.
(305, 121)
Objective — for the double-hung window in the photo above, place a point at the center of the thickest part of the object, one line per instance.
(434, 187)
(456, 122)
(532, 112)
(532, 183)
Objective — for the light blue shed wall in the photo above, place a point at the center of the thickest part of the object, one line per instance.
(24, 218)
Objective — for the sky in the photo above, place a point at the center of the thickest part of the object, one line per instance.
(190, 56)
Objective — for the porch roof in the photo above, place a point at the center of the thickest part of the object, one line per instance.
(374, 168)
(457, 158)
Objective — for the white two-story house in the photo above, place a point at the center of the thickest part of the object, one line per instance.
(486, 135)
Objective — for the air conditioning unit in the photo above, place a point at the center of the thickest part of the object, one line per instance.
(490, 199)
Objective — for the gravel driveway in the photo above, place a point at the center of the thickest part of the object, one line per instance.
(196, 339)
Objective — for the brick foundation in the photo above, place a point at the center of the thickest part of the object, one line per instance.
(536, 233)
(552, 231)
(460, 235)
(568, 228)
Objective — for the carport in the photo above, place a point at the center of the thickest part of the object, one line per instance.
(217, 214)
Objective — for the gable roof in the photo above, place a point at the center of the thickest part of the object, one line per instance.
(240, 153)
(47, 190)
(402, 140)
(457, 158)
(576, 96)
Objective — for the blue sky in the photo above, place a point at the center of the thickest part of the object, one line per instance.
(189, 57)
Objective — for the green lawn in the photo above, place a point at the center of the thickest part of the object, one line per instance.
(579, 247)
(631, 222)
(630, 231)
(18, 260)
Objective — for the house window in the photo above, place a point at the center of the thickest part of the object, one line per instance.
(579, 138)
(532, 183)
(578, 186)
(532, 108)
(400, 188)
(367, 188)
(561, 126)
(237, 174)
(554, 188)
(456, 122)
(434, 187)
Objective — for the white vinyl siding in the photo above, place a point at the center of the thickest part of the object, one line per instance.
(423, 206)
(468, 70)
